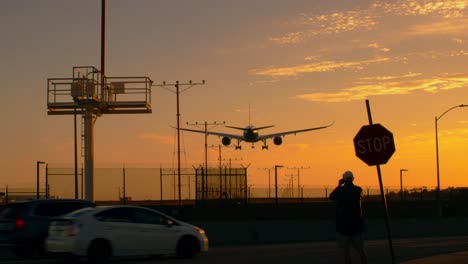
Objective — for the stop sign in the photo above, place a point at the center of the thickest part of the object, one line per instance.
(374, 144)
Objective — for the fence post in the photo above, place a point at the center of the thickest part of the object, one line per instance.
(160, 185)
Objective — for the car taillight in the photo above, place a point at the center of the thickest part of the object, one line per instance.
(75, 229)
(19, 223)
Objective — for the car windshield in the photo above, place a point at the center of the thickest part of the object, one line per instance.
(79, 212)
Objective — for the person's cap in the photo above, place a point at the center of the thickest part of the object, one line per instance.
(348, 176)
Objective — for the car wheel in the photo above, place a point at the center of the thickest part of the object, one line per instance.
(99, 251)
(187, 247)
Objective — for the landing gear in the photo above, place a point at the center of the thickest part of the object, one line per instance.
(264, 146)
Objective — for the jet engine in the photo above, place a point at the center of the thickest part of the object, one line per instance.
(226, 141)
(277, 140)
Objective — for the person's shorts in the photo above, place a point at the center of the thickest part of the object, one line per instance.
(355, 241)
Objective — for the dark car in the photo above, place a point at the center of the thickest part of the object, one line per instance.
(24, 225)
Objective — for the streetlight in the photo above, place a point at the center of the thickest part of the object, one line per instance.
(401, 182)
(276, 183)
(437, 157)
(37, 177)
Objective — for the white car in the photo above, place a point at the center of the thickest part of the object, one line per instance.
(103, 232)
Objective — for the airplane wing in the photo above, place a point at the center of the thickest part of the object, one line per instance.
(280, 134)
(238, 137)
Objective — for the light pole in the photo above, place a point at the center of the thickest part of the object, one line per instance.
(276, 183)
(37, 177)
(401, 182)
(439, 206)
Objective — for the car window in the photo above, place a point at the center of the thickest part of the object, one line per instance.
(120, 214)
(79, 212)
(13, 210)
(57, 208)
(144, 216)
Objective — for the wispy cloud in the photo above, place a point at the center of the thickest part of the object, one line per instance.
(386, 78)
(441, 27)
(378, 47)
(446, 8)
(166, 140)
(262, 82)
(324, 66)
(326, 24)
(309, 25)
(361, 92)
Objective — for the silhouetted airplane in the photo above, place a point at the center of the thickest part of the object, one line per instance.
(251, 135)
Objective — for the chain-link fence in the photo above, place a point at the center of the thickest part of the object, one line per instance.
(162, 184)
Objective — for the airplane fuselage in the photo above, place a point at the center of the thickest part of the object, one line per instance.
(250, 134)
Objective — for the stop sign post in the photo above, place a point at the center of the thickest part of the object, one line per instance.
(374, 144)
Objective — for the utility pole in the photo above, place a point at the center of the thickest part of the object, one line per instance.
(401, 183)
(299, 177)
(276, 183)
(177, 91)
(206, 124)
(124, 187)
(38, 163)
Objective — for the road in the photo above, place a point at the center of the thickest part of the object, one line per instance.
(317, 252)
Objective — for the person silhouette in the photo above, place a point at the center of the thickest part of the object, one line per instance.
(350, 224)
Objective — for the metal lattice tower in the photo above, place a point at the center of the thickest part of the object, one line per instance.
(90, 94)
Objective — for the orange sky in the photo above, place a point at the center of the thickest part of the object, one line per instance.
(297, 64)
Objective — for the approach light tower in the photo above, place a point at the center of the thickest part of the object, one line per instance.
(177, 91)
(91, 95)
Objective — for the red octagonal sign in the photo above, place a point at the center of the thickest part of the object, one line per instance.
(374, 144)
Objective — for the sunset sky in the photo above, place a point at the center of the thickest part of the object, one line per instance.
(295, 64)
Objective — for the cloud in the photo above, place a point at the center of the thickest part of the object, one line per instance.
(324, 66)
(440, 28)
(326, 24)
(386, 78)
(446, 8)
(262, 82)
(166, 140)
(378, 47)
(311, 25)
(363, 91)
(310, 58)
